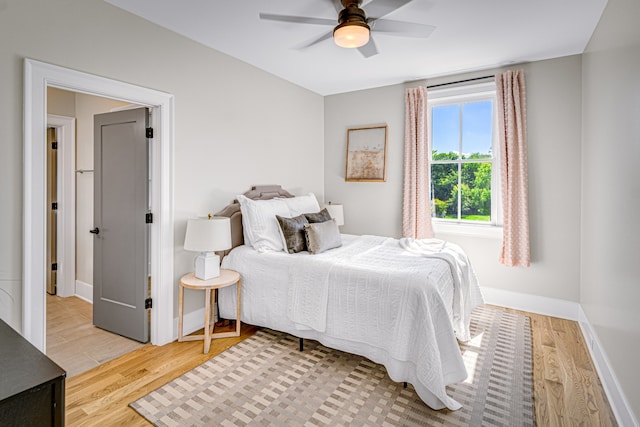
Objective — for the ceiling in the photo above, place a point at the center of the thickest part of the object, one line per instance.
(469, 35)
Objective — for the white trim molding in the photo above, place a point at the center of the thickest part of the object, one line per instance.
(533, 303)
(466, 229)
(84, 291)
(37, 77)
(66, 217)
(617, 399)
(192, 322)
(572, 311)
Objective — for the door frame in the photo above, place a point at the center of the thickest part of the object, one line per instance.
(66, 195)
(37, 77)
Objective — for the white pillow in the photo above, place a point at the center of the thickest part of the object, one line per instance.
(259, 223)
(302, 204)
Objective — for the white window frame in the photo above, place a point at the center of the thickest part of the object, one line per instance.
(464, 94)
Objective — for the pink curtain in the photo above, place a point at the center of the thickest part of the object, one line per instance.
(416, 207)
(512, 130)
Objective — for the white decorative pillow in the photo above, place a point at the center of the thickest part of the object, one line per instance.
(302, 204)
(259, 223)
(322, 236)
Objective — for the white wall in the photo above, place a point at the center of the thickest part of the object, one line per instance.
(235, 125)
(610, 283)
(61, 102)
(553, 104)
(369, 207)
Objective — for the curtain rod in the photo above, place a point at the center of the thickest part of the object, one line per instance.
(462, 81)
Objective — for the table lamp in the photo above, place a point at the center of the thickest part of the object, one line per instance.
(337, 212)
(207, 235)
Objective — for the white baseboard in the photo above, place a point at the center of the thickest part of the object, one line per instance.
(618, 401)
(532, 303)
(192, 322)
(84, 291)
(573, 311)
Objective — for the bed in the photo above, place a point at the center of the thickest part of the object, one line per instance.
(402, 303)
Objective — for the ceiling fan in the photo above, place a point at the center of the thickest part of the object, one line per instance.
(354, 26)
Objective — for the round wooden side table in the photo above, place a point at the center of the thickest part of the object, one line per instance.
(190, 281)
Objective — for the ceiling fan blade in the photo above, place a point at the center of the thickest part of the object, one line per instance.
(368, 49)
(401, 28)
(380, 8)
(337, 4)
(317, 40)
(298, 19)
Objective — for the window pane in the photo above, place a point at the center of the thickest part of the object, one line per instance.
(476, 129)
(445, 131)
(476, 191)
(444, 184)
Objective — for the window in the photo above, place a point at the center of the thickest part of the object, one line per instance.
(464, 165)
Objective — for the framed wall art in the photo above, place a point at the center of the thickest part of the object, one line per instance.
(366, 154)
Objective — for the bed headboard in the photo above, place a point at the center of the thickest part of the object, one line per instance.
(232, 211)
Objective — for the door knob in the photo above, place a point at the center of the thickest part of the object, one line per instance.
(95, 231)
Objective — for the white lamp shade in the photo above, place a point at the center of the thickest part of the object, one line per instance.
(336, 212)
(208, 235)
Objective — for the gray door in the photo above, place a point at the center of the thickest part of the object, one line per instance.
(121, 200)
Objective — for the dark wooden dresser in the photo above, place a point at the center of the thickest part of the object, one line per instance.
(31, 385)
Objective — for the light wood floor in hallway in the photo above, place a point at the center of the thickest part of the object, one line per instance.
(567, 391)
(72, 340)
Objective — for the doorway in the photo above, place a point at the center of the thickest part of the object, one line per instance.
(72, 340)
(39, 76)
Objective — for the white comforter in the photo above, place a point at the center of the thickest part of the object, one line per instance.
(401, 303)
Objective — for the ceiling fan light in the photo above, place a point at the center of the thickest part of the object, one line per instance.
(351, 35)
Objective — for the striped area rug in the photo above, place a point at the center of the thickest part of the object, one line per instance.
(264, 380)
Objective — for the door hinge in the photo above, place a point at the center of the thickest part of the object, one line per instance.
(54, 145)
(149, 132)
(54, 206)
(54, 266)
(148, 218)
(148, 303)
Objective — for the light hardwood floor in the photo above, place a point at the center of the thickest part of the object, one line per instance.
(567, 391)
(72, 340)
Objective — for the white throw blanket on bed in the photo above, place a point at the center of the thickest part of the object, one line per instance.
(312, 275)
(466, 290)
(378, 257)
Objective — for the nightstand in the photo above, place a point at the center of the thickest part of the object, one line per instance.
(189, 281)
